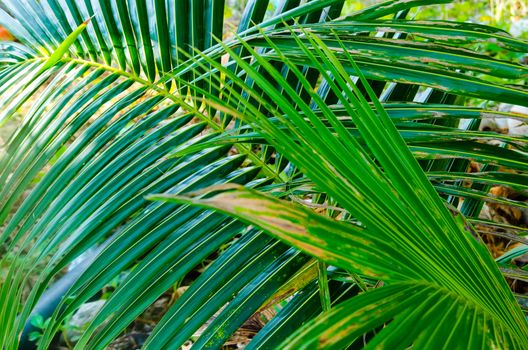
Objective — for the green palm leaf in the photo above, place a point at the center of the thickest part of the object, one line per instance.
(110, 120)
(407, 237)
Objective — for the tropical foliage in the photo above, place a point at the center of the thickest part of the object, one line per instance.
(333, 144)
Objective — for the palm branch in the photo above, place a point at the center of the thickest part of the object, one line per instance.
(119, 109)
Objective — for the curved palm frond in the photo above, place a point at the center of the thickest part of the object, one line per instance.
(112, 121)
(436, 272)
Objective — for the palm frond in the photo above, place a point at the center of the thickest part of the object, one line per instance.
(116, 112)
(408, 238)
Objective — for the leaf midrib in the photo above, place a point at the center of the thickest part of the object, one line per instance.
(242, 149)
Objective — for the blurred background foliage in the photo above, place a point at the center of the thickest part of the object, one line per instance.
(510, 15)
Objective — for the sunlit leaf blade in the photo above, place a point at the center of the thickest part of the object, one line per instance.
(125, 111)
(405, 184)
